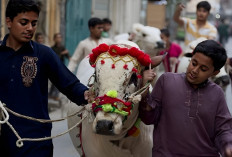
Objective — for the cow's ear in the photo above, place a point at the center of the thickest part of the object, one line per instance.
(156, 60)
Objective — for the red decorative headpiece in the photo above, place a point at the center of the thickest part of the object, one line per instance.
(114, 50)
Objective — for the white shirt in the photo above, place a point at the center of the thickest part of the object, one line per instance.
(83, 49)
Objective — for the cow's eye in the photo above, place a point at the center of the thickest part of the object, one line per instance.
(134, 79)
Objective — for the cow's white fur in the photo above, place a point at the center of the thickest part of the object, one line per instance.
(146, 37)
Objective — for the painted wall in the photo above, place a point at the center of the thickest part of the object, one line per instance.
(78, 13)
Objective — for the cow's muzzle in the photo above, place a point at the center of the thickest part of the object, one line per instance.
(104, 127)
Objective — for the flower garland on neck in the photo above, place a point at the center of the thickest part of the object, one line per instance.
(116, 51)
(110, 103)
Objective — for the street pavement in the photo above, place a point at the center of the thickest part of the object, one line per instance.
(63, 146)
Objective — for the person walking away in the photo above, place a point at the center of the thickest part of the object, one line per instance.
(25, 68)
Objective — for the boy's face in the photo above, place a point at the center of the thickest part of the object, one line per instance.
(164, 37)
(40, 39)
(96, 31)
(58, 39)
(107, 27)
(202, 14)
(23, 26)
(200, 69)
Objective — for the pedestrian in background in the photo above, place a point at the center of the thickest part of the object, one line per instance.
(174, 50)
(39, 38)
(199, 27)
(107, 24)
(85, 46)
(62, 53)
(59, 48)
(25, 68)
(189, 112)
(223, 31)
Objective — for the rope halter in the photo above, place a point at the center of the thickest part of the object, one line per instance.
(4, 114)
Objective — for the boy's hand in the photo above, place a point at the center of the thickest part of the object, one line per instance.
(90, 96)
(148, 76)
(180, 7)
(228, 151)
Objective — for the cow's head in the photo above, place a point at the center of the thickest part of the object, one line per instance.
(148, 38)
(117, 76)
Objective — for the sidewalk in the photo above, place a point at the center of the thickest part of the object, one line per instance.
(63, 146)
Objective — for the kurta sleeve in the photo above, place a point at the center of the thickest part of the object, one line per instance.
(65, 80)
(223, 125)
(77, 56)
(155, 101)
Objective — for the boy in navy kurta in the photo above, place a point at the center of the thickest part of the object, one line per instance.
(189, 112)
(25, 68)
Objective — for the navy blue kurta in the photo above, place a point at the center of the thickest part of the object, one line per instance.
(24, 78)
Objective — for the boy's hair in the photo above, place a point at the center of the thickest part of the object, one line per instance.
(165, 31)
(205, 5)
(107, 21)
(213, 50)
(94, 21)
(14, 7)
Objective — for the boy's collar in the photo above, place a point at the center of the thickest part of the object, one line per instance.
(201, 85)
(3, 43)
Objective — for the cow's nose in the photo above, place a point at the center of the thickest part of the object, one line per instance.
(160, 44)
(104, 127)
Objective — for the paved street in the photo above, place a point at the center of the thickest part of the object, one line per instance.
(63, 146)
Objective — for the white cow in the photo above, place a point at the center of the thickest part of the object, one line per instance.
(147, 38)
(113, 132)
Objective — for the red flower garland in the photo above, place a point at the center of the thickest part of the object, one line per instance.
(102, 62)
(125, 66)
(115, 50)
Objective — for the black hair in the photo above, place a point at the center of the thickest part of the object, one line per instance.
(213, 50)
(165, 31)
(94, 21)
(205, 5)
(107, 21)
(14, 7)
